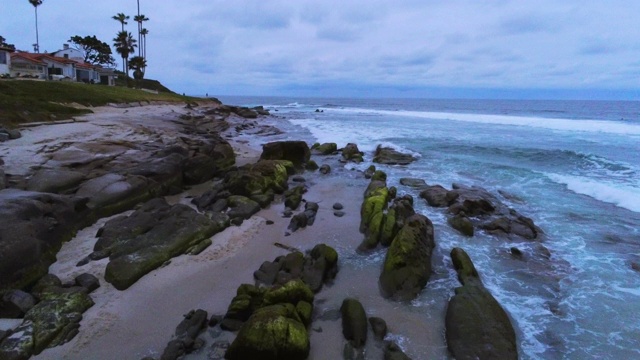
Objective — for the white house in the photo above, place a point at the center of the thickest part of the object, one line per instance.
(5, 60)
(69, 53)
(26, 65)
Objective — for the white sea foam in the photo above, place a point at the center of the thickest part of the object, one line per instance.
(612, 127)
(624, 196)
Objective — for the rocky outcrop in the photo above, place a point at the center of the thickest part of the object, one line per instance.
(295, 151)
(372, 213)
(477, 327)
(324, 149)
(185, 337)
(407, 264)
(352, 153)
(141, 242)
(354, 322)
(390, 156)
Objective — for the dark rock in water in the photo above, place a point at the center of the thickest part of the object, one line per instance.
(339, 213)
(390, 156)
(295, 151)
(635, 266)
(394, 219)
(477, 327)
(150, 236)
(269, 222)
(325, 149)
(241, 207)
(338, 206)
(368, 174)
(436, 196)
(311, 209)
(298, 221)
(189, 328)
(299, 179)
(516, 252)
(325, 169)
(354, 322)
(379, 327)
(267, 273)
(287, 213)
(174, 350)
(393, 352)
(87, 281)
(352, 153)
(379, 175)
(15, 303)
(407, 265)
(33, 227)
(272, 333)
(413, 182)
(320, 266)
(462, 224)
(311, 165)
(293, 197)
(236, 221)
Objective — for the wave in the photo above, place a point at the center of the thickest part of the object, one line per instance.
(600, 126)
(627, 197)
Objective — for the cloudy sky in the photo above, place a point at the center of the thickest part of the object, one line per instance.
(374, 48)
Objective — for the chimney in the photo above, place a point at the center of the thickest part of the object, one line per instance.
(65, 47)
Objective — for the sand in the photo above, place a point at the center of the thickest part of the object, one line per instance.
(140, 321)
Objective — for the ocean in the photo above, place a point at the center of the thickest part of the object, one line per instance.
(571, 166)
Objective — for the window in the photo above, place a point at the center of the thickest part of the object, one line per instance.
(3, 57)
(66, 56)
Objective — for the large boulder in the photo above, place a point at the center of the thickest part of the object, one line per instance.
(477, 327)
(407, 265)
(324, 149)
(436, 196)
(33, 226)
(114, 193)
(352, 153)
(295, 151)
(394, 219)
(55, 180)
(271, 333)
(146, 239)
(391, 156)
(354, 322)
(262, 177)
(372, 211)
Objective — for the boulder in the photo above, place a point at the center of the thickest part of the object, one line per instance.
(87, 281)
(352, 153)
(260, 178)
(390, 156)
(15, 303)
(436, 196)
(293, 197)
(462, 224)
(407, 264)
(379, 327)
(372, 213)
(311, 165)
(477, 327)
(55, 180)
(272, 333)
(325, 149)
(292, 292)
(413, 182)
(320, 266)
(241, 207)
(113, 193)
(354, 322)
(399, 211)
(393, 352)
(369, 172)
(295, 151)
(325, 169)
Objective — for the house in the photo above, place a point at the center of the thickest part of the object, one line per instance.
(69, 53)
(86, 72)
(5, 60)
(26, 65)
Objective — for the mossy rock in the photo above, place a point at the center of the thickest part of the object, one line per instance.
(293, 197)
(295, 151)
(389, 228)
(242, 207)
(371, 212)
(325, 149)
(467, 273)
(379, 175)
(407, 265)
(304, 310)
(354, 322)
(462, 224)
(271, 333)
(311, 165)
(292, 292)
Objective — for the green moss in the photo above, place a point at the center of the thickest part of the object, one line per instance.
(379, 175)
(389, 228)
(291, 292)
(304, 310)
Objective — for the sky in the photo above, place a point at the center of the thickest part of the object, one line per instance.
(543, 49)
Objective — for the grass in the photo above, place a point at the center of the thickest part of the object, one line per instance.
(23, 101)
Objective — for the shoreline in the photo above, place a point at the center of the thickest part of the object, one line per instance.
(210, 279)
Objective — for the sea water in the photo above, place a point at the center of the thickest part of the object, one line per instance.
(571, 166)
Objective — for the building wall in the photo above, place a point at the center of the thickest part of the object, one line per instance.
(5, 62)
(21, 67)
(71, 53)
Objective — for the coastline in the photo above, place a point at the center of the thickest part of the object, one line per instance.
(126, 324)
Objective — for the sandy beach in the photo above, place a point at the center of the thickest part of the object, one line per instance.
(140, 320)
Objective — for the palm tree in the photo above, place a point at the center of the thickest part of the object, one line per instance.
(125, 44)
(138, 63)
(121, 17)
(35, 4)
(140, 19)
(143, 45)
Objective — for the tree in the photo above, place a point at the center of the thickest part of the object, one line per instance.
(140, 19)
(4, 44)
(143, 45)
(122, 18)
(138, 63)
(125, 44)
(35, 4)
(96, 52)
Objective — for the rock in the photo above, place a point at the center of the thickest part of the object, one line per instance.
(295, 151)
(174, 350)
(379, 175)
(462, 224)
(55, 180)
(311, 165)
(339, 213)
(311, 209)
(214, 159)
(149, 237)
(436, 196)
(246, 113)
(87, 281)
(267, 272)
(15, 303)
(379, 327)
(372, 213)
(635, 266)
(349, 352)
(247, 300)
(241, 207)
(293, 197)
(393, 352)
(298, 179)
(113, 193)
(33, 226)
(477, 327)
(338, 206)
(352, 153)
(320, 266)
(407, 265)
(304, 310)
(325, 149)
(354, 322)
(390, 156)
(189, 328)
(516, 252)
(272, 333)
(394, 219)
(292, 292)
(298, 221)
(369, 172)
(260, 178)
(325, 169)
(413, 182)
